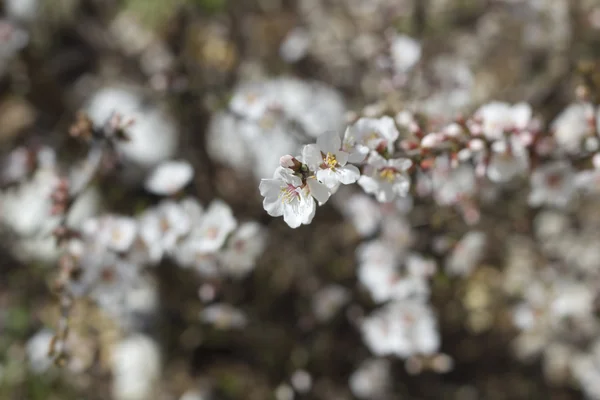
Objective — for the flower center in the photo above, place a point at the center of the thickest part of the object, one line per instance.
(330, 160)
(117, 235)
(212, 232)
(164, 224)
(388, 174)
(108, 275)
(554, 180)
(289, 194)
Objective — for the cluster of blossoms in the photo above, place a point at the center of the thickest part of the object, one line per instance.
(113, 249)
(554, 278)
(458, 164)
(107, 257)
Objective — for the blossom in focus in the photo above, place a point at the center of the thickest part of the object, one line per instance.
(386, 179)
(329, 162)
(169, 177)
(287, 195)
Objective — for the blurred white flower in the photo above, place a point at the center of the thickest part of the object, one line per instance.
(295, 45)
(162, 227)
(38, 349)
(328, 301)
(467, 253)
(386, 179)
(22, 10)
(286, 195)
(572, 126)
(26, 209)
(113, 232)
(223, 316)
(269, 118)
(509, 158)
(328, 161)
(451, 185)
(372, 379)
(195, 395)
(169, 177)
(136, 368)
(381, 273)
(105, 277)
(401, 328)
(572, 299)
(301, 381)
(363, 212)
(153, 134)
(246, 244)
(406, 53)
(497, 118)
(552, 184)
(214, 227)
(586, 371)
(367, 134)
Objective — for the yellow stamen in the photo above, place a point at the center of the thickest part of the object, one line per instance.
(330, 160)
(389, 174)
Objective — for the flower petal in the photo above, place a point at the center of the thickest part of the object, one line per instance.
(347, 174)
(318, 190)
(311, 156)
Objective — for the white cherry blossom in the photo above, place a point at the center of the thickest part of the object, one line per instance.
(552, 184)
(113, 232)
(287, 195)
(406, 53)
(497, 117)
(162, 227)
(330, 162)
(169, 177)
(215, 225)
(402, 328)
(246, 244)
(509, 159)
(386, 179)
(571, 126)
(367, 134)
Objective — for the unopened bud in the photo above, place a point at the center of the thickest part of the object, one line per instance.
(290, 162)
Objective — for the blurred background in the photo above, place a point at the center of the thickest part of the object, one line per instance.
(196, 73)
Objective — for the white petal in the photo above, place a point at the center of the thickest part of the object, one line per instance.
(347, 174)
(169, 177)
(311, 156)
(291, 217)
(328, 177)
(329, 142)
(318, 190)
